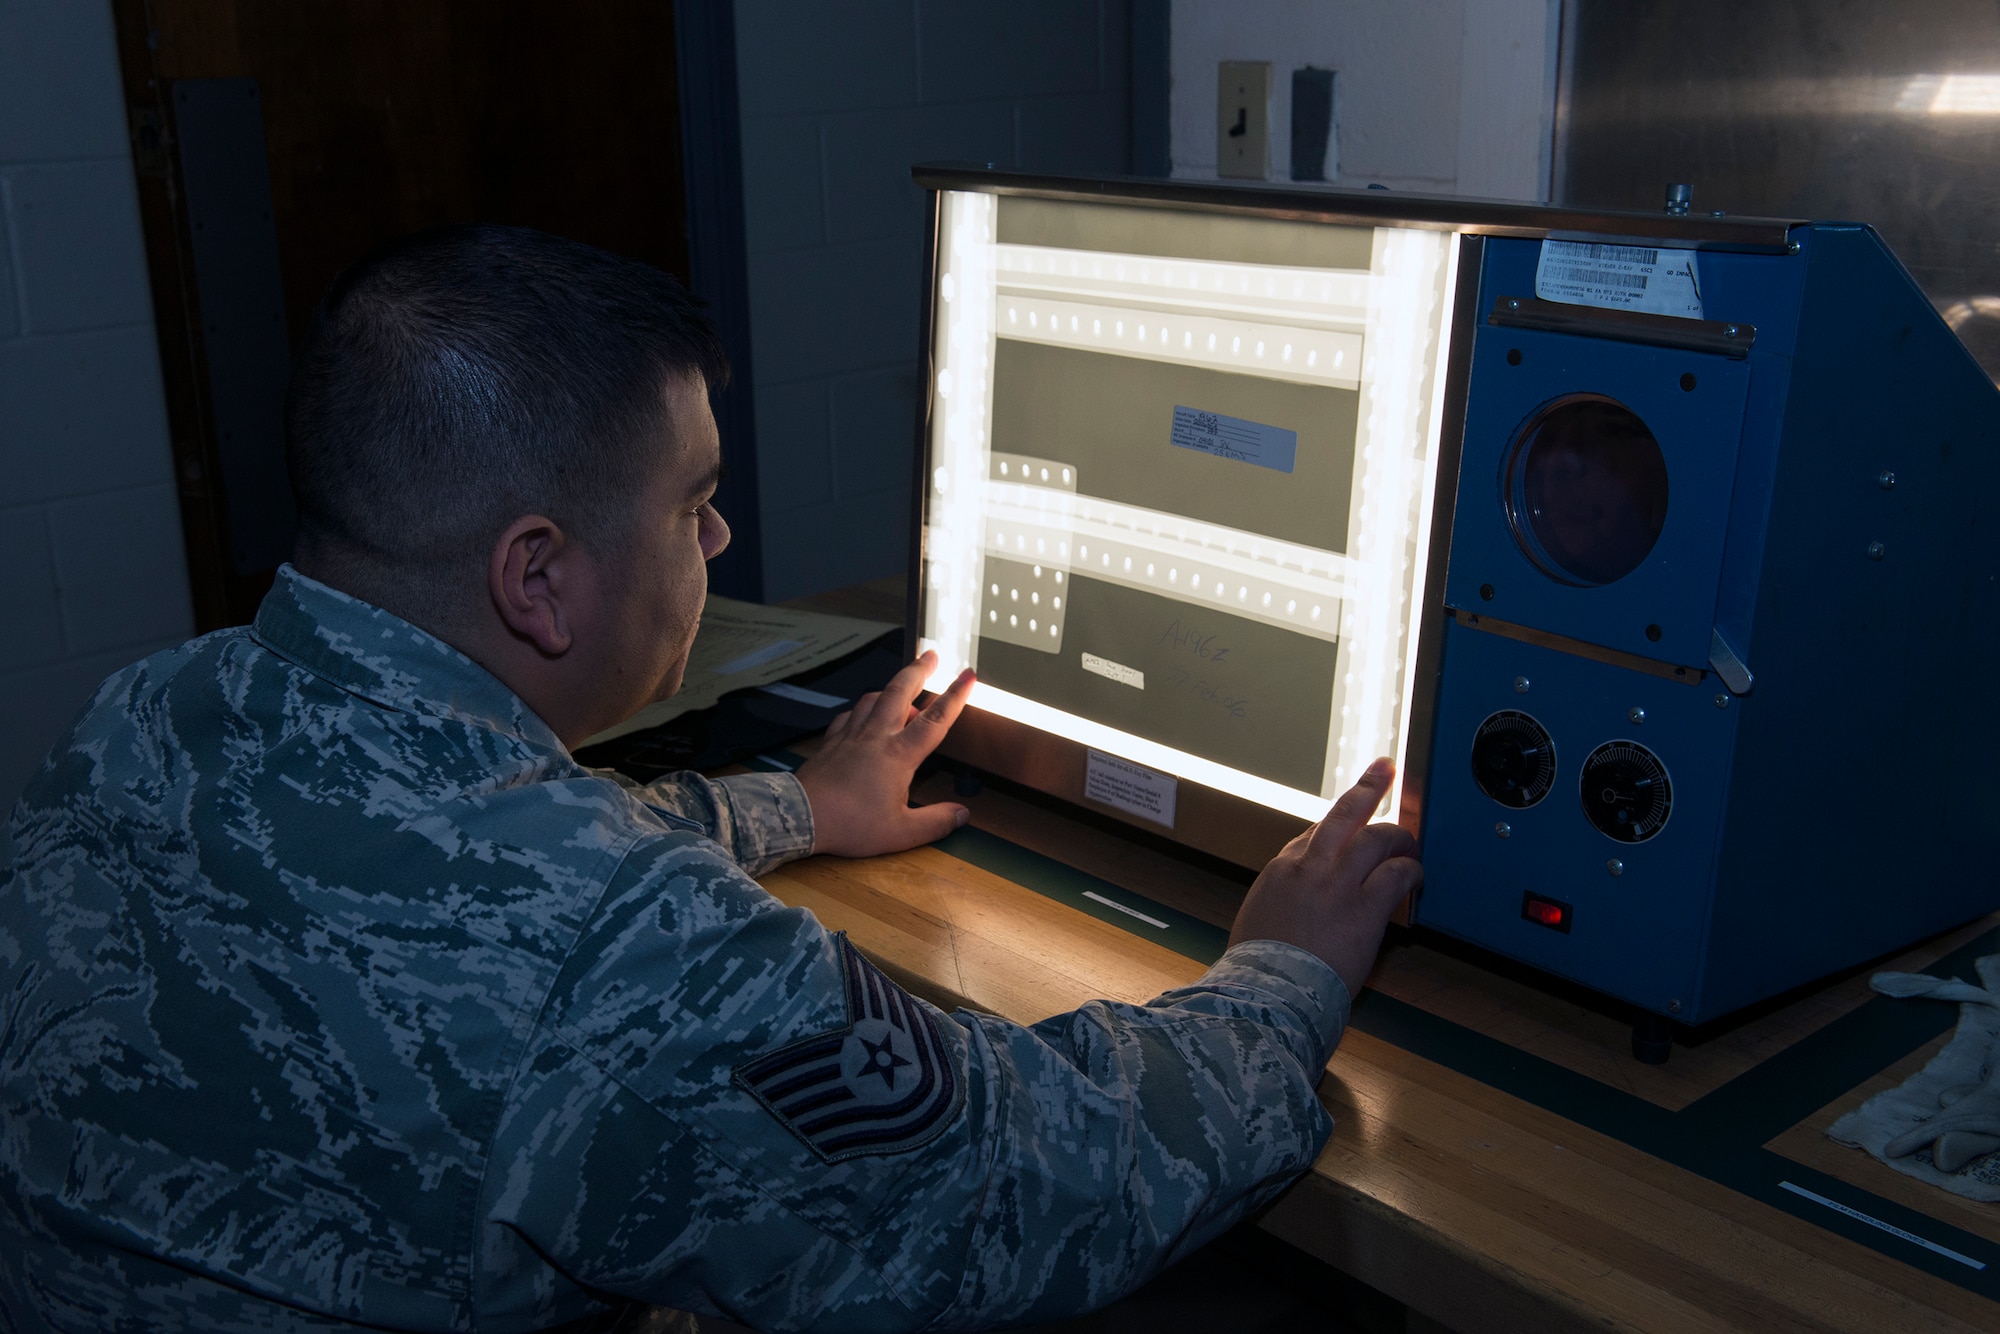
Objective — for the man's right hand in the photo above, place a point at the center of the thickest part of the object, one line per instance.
(1331, 889)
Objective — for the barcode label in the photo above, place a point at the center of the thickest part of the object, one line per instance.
(1632, 282)
(1620, 277)
(1628, 253)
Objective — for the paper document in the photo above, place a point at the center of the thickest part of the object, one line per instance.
(743, 644)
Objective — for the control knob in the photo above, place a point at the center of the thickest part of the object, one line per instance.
(1513, 759)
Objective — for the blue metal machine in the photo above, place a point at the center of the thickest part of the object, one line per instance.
(1813, 784)
(1699, 699)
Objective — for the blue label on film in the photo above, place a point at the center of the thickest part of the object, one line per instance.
(1233, 438)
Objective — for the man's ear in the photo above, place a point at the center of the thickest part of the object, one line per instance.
(532, 577)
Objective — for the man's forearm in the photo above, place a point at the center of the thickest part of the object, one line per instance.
(763, 820)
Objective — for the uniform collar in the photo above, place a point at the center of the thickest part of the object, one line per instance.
(381, 657)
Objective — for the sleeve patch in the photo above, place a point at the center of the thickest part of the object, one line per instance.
(882, 1083)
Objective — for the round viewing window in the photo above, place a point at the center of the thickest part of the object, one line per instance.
(1586, 490)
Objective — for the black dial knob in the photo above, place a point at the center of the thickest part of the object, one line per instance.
(1626, 791)
(1513, 759)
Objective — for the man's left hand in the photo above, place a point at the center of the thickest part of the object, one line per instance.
(859, 782)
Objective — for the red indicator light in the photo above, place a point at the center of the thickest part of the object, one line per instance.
(1551, 913)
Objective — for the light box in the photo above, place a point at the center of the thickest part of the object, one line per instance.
(1595, 522)
(1180, 471)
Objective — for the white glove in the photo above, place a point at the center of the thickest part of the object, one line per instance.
(1967, 1123)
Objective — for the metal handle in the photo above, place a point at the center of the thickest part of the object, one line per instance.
(1626, 326)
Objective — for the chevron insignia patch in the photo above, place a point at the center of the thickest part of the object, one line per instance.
(881, 1084)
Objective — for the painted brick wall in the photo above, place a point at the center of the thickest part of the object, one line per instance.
(838, 100)
(92, 575)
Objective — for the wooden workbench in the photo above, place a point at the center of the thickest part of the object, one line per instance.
(1499, 1160)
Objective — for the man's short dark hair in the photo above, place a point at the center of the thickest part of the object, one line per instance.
(460, 378)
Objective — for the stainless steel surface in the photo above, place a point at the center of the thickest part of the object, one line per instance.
(1729, 665)
(1380, 208)
(1887, 114)
(1688, 676)
(1625, 326)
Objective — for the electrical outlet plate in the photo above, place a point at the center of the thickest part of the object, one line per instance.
(1243, 120)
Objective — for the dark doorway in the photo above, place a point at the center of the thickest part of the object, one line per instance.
(379, 118)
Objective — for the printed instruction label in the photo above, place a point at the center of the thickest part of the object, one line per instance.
(1132, 788)
(1114, 671)
(1234, 438)
(1620, 277)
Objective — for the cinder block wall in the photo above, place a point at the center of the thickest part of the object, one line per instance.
(837, 101)
(92, 574)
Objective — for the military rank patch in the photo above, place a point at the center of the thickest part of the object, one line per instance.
(881, 1084)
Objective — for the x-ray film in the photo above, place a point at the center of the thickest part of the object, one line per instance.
(1181, 464)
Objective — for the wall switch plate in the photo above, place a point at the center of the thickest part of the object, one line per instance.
(1243, 120)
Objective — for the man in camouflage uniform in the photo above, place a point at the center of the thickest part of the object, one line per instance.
(335, 993)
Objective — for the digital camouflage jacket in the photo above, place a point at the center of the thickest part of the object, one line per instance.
(334, 992)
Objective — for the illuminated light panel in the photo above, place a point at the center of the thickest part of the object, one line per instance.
(1305, 805)
(961, 411)
(1390, 514)
(1389, 319)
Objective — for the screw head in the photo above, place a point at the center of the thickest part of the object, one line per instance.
(1513, 303)
(1486, 592)
(1520, 685)
(1887, 480)
(1722, 701)
(1615, 866)
(1876, 551)
(1673, 1007)
(1729, 331)
(1503, 829)
(1637, 714)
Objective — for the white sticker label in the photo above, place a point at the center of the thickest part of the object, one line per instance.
(1271, 447)
(1135, 789)
(1114, 671)
(1620, 277)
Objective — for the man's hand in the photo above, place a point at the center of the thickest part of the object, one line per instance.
(859, 783)
(1331, 889)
